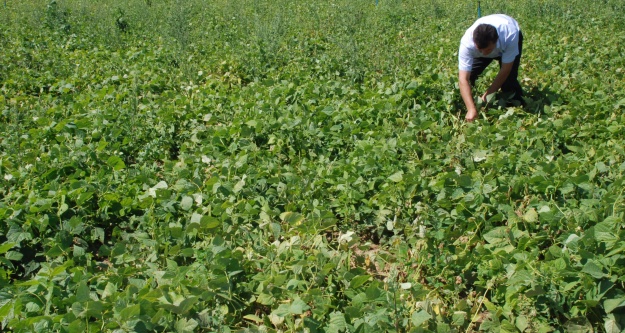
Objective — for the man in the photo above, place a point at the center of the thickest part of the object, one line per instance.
(491, 37)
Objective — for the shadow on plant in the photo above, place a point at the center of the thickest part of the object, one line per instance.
(539, 97)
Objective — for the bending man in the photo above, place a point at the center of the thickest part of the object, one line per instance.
(491, 37)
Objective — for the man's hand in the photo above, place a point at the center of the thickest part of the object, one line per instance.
(471, 115)
(483, 98)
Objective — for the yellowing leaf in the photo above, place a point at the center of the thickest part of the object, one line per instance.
(531, 216)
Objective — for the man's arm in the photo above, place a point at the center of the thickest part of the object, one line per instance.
(467, 96)
(501, 77)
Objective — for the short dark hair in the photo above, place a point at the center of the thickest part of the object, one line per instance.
(484, 34)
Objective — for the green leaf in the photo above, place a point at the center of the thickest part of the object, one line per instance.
(109, 289)
(521, 323)
(265, 299)
(418, 318)
(183, 307)
(611, 304)
(241, 161)
(480, 155)
(186, 203)
(209, 222)
(239, 185)
(5, 247)
(292, 218)
(14, 255)
(359, 281)
(593, 270)
(578, 325)
(373, 292)
(77, 326)
(531, 216)
(397, 176)
(130, 312)
(298, 307)
(253, 318)
(337, 323)
(116, 163)
(496, 235)
(82, 292)
(184, 325)
(611, 325)
(61, 269)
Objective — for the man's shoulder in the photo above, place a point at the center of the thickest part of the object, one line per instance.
(499, 20)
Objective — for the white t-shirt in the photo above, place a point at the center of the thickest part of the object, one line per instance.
(507, 45)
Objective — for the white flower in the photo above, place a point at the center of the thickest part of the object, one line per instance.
(8, 176)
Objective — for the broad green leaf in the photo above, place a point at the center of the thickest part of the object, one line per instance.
(611, 304)
(373, 292)
(14, 255)
(253, 318)
(94, 309)
(337, 322)
(292, 218)
(359, 281)
(265, 299)
(418, 318)
(209, 222)
(611, 325)
(593, 270)
(298, 307)
(61, 269)
(283, 310)
(239, 185)
(521, 323)
(397, 176)
(241, 161)
(186, 203)
(183, 307)
(531, 216)
(5, 247)
(480, 155)
(578, 325)
(497, 235)
(109, 289)
(184, 325)
(5, 309)
(130, 312)
(77, 326)
(116, 163)
(82, 292)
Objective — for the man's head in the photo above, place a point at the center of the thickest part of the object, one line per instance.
(485, 38)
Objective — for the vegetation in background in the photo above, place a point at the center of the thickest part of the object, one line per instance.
(291, 166)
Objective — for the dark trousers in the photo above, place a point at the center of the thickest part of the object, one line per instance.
(511, 84)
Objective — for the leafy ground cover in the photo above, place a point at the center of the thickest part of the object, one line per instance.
(245, 166)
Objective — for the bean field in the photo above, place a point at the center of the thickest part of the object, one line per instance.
(305, 166)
